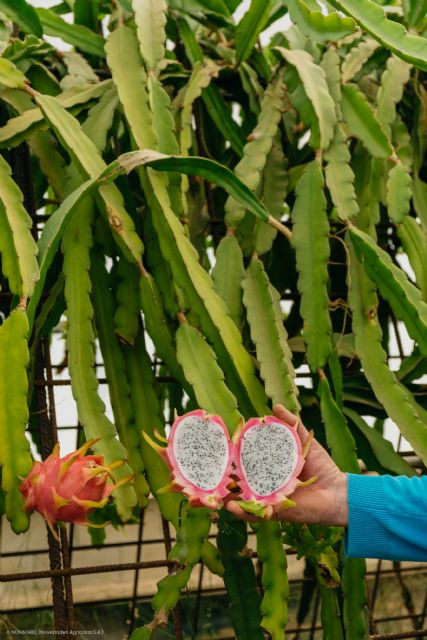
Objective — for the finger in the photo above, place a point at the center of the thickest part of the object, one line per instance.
(283, 414)
(240, 513)
(303, 433)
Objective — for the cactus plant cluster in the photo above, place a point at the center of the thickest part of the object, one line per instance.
(234, 208)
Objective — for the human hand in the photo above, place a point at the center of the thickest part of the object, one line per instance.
(323, 502)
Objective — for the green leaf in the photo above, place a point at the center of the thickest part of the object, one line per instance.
(10, 76)
(157, 325)
(15, 456)
(87, 13)
(414, 243)
(28, 47)
(115, 371)
(150, 18)
(208, 169)
(219, 6)
(127, 307)
(269, 335)
(274, 605)
(75, 34)
(212, 394)
(76, 244)
(164, 128)
(221, 115)
(414, 11)
(395, 398)
(393, 284)
(202, 75)
(159, 267)
(84, 152)
(51, 237)
(389, 33)
(18, 129)
(199, 8)
(214, 102)
(330, 614)
(362, 123)
(317, 26)
(247, 31)
(17, 247)
(393, 81)
(274, 189)
(200, 79)
(355, 598)
(313, 80)
(227, 276)
(338, 436)
(356, 58)
(249, 169)
(145, 103)
(148, 415)
(399, 192)
(382, 448)
(143, 633)
(79, 71)
(23, 14)
(191, 537)
(131, 83)
(340, 177)
(239, 578)
(311, 243)
(331, 65)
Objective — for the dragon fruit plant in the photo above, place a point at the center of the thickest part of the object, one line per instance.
(259, 467)
(68, 489)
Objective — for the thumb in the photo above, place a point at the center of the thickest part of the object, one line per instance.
(292, 420)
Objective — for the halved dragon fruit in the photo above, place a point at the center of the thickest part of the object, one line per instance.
(269, 458)
(263, 461)
(199, 455)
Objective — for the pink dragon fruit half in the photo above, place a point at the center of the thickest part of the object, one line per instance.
(268, 457)
(199, 455)
(67, 489)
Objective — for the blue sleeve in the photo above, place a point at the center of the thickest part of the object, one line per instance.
(387, 517)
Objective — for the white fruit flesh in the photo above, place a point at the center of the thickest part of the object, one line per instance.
(201, 450)
(269, 457)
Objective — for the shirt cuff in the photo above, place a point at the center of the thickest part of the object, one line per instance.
(368, 534)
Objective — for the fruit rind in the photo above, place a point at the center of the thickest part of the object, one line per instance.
(197, 496)
(279, 496)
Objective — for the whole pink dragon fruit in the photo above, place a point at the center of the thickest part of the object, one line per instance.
(263, 461)
(67, 489)
(199, 455)
(269, 457)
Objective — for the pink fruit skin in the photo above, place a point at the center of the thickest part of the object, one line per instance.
(280, 495)
(212, 498)
(67, 489)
